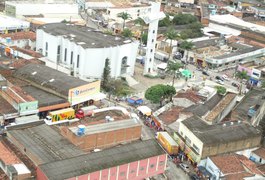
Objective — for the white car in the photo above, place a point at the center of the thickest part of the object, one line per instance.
(220, 82)
(225, 77)
(184, 167)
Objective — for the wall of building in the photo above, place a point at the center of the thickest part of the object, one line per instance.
(137, 170)
(104, 139)
(186, 133)
(233, 146)
(135, 12)
(90, 58)
(213, 169)
(37, 9)
(258, 115)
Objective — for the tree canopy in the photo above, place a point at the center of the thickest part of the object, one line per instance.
(124, 16)
(220, 90)
(193, 31)
(144, 38)
(159, 92)
(186, 45)
(242, 75)
(106, 75)
(164, 22)
(181, 19)
(171, 34)
(127, 33)
(172, 67)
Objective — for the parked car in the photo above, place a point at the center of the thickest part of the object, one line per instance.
(235, 84)
(184, 167)
(218, 78)
(220, 82)
(194, 177)
(225, 77)
(205, 73)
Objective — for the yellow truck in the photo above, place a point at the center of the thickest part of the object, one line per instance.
(168, 143)
(63, 114)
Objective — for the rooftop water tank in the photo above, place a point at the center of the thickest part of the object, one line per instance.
(107, 118)
(81, 130)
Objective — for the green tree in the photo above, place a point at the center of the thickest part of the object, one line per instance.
(173, 67)
(242, 75)
(159, 92)
(127, 33)
(193, 31)
(164, 22)
(171, 34)
(124, 16)
(106, 76)
(144, 38)
(182, 19)
(187, 46)
(140, 21)
(220, 90)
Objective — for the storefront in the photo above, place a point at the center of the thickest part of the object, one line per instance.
(85, 95)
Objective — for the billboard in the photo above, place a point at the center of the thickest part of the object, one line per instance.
(83, 93)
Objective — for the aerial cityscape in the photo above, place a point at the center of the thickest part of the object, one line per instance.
(132, 90)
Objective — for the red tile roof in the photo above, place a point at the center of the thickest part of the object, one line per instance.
(238, 176)
(7, 156)
(260, 152)
(249, 164)
(171, 115)
(20, 35)
(228, 164)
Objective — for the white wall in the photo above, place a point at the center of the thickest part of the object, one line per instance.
(212, 168)
(187, 133)
(36, 9)
(91, 60)
(133, 11)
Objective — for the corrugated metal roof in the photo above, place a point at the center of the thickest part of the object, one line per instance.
(101, 160)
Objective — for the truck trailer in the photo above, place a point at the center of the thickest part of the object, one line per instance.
(85, 111)
(168, 143)
(63, 114)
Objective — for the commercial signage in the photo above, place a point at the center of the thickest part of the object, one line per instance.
(83, 93)
(28, 107)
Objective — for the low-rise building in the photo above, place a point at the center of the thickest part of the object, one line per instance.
(251, 108)
(26, 40)
(231, 166)
(9, 24)
(137, 160)
(104, 135)
(200, 140)
(74, 49)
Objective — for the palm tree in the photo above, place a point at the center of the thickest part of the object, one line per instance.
(140, 22)
(171, 34)
(241, 75)
(186, 45)
(124, 16)
(173, 67)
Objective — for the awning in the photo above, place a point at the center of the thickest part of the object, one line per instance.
(145, 110)
(95, 97)
(186, 73)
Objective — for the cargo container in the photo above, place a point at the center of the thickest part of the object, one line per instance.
(168, 143)
(63, 114)
(85, 111)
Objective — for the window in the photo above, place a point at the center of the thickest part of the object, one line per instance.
(65, 54)
(150, 59)
(122, 173)
(132, 171)
(46, 49)
(152, 40)
(188, 141)
(181, 133)
(77, 63)
(154, 31)
(151, 50)
(141, 168)
(71, 62)
(152, 166)
(161, 163)
(58, 49)
(196, 148)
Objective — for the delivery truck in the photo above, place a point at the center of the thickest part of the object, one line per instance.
(59, 115)
(168, 143)
(85, 111)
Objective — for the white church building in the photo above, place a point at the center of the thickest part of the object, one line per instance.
(82, 51)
